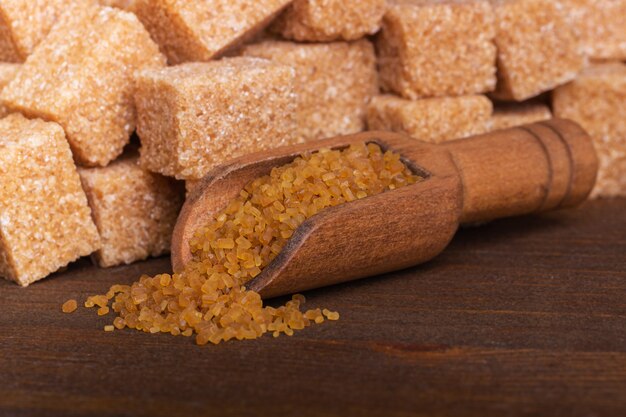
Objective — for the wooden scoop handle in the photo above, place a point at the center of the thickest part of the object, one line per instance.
(533, 168)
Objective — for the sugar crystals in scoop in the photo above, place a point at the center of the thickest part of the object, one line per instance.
(209, 298)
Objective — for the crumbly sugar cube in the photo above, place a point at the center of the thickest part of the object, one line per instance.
(537, 49)
(600, 26)
(330, 20)
(196, 116)
(45, 222)
(434, 120)
(135, 210)
(507, 115)
(204, 29)
(25, 23)
(81, 76)
(335, 81)
(7, 73)
(437, 48)
(596, 100)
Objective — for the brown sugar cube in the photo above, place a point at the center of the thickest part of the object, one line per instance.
(600, 26)
(134, 210)
(507, 115)
(25, 23)
(190, 186)
(437, 48)
(7, 73)
(597, 100)
(81, 76)
(335, 81)
(202, 30)
(330, 20)
(45, 222)
(194, 117)
(537, 49)
(128, 5)
(433, 120)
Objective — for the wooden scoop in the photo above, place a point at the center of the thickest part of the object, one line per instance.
(528, 169)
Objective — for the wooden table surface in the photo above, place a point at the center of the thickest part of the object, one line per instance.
(519, 317)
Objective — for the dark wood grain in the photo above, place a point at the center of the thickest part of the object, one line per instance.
(520, 317)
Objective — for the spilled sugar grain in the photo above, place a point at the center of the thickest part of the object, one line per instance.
(209, 298)
(69, 306)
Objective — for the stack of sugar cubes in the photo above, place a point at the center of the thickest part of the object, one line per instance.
(69, 178)
(455, 68)
(109, 106)
(268, 90)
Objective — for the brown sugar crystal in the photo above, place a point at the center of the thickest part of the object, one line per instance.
(209, 297)
(537, 48)
(81, 76)
(330, 20)
(437, 48)
(507, 115)
(69, 306)
(25, 23)
(330, 315)
(334, 83)
(45, 222)
(432, 119)
(135, 210)
(194, 117)
(597, 100)
(600, 26)
(202, 30)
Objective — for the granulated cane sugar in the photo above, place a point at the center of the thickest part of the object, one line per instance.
(209, 297)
